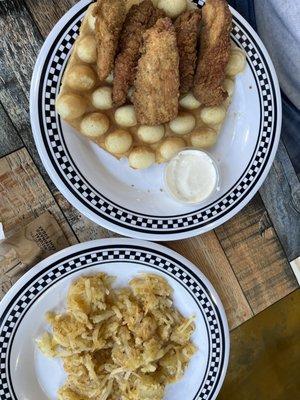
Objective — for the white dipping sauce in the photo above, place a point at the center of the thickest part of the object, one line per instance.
(191, 176)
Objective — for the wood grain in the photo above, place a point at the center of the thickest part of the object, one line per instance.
(207, 254)
(84, 228)
(256, 256)
(9, 137)
(281, 196)
(20, 44)
(24, 195)
(46, 13)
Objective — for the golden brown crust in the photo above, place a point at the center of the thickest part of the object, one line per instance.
(214, 53)
(110, 15)
(139, 18)
(187, 27)
(157, 80)
(156, 15)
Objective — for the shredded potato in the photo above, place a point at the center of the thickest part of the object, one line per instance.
(119, 344)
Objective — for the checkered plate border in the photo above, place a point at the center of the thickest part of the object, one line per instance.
(195, 287)
(84, 192)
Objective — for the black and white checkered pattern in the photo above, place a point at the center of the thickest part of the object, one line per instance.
(57, 271)
(114, 213)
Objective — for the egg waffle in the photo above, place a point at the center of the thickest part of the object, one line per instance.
(85, 103)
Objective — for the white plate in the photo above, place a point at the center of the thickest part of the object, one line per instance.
(133, 203)
(26, 374)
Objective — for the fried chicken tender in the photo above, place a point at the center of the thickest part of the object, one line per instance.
(110, 15)
(187, 27)
(156, 15)
(214, 53)
(157, 79)
(139, 18)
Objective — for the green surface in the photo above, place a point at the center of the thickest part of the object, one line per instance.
(265, 355)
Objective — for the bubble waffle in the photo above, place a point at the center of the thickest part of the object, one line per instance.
(85, 103)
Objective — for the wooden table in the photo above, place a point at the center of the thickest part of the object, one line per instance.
(249, 259)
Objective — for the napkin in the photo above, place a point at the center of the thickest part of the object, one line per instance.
(32, 243)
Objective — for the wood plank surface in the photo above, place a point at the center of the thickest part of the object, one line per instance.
(207, 254)
(256, 256)
(84, 228)
(46, 13)
(281, 196)
(24, 195)
(20, 45)
(9, 137)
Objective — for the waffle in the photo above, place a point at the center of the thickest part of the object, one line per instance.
(85, 103)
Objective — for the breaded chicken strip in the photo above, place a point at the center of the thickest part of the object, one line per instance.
(157, 79)
(110, 15)
(187, 27)
(156, 15)
(139, 18)
(214, 53)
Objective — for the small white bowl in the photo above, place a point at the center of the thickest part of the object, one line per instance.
(183, 168)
